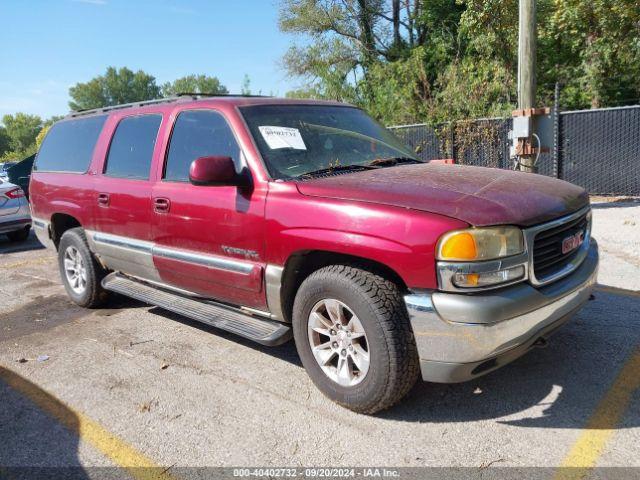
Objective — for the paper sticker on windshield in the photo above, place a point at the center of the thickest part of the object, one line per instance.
(282, 137)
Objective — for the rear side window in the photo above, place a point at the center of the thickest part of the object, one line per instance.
(69, 145)
(198, 133)
(132, 147)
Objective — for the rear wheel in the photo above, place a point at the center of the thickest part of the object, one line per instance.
(81, 274)
(353, 336)
(19, 235)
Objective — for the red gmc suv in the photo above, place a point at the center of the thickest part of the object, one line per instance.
(274, 218)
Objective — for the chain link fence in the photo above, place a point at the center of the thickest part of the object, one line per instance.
(597, 149)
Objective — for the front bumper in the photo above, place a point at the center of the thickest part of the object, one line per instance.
(460, 337)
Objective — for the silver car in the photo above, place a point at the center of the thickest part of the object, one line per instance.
(15, 216)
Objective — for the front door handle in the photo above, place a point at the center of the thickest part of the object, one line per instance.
(103, 199)
(161, 205)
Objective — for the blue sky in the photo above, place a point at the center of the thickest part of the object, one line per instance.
(48, 45)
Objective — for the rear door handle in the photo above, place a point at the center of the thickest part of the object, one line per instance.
(103, 199)
(161, 205)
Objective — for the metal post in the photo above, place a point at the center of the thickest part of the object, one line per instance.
(453, 142)
(527, 55)
(556, 131)
(527, 74)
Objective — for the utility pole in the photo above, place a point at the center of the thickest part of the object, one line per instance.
(527, 55)
(523, 124)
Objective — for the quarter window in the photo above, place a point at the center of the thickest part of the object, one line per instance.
(68, 147)
(132, 147)
(198, 133)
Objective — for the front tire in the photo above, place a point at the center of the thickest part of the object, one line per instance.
(81, 274)
(354, 338)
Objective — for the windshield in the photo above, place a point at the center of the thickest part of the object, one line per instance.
(297, 140)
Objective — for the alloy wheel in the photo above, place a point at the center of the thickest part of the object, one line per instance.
(75, 270)
(338, 342)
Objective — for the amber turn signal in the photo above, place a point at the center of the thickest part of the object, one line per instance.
(480, 244)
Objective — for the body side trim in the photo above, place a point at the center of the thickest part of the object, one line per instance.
(203, 259)
(273, 287)
(150, 249)
(43, 233)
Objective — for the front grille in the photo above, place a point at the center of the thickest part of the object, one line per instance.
(548, 258)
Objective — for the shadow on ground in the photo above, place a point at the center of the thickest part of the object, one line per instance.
(34, 443)
(31, 243)
(286, 352)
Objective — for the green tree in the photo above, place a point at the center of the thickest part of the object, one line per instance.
(4, 141)
(22, 130)
(116, 86)
(417, 60)
(41, 136)
(384, 56)
(194, 84)
(597, 51)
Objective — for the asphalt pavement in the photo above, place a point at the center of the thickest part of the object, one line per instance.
(135, 385)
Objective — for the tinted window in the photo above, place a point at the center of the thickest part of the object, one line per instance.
(198, 133)
(68, 147)
(132, 147)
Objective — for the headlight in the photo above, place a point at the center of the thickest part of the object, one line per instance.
(487, 279)
(481, 258)
(480, 244)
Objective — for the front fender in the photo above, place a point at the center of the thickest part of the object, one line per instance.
(402, 239)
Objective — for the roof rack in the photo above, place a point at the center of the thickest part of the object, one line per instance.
(182, 96)
(248, 95)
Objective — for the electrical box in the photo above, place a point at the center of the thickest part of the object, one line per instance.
(521, 127)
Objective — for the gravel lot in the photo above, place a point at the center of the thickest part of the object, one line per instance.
(184, 394)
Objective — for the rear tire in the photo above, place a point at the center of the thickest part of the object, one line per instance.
(19, 235)
(384, 335)
(81, 273)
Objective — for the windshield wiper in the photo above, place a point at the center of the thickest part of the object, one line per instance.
(384, 162)
(337, 168)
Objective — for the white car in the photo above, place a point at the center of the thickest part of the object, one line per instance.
(15, 216)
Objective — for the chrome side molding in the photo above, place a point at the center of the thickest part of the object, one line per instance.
(273, 287)
(203, 259)
(102, 242)
(135, 257)
(42, 231)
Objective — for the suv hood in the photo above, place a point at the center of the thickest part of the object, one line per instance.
(476, 195)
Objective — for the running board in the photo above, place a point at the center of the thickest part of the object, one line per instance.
(259, 330)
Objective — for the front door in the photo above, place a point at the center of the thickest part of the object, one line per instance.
(122, 205)
(208, 239)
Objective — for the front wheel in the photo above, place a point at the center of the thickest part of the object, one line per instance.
(354, 338)
(81, 274)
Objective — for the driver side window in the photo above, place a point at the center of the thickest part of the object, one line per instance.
(198, 133)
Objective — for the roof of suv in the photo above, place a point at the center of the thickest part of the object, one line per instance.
(239, 100)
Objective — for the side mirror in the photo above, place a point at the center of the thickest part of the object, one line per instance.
(214, 171)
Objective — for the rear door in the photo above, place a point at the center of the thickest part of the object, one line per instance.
(122, 206)
(208, 239)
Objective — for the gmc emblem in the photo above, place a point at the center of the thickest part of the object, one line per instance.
(571, 243)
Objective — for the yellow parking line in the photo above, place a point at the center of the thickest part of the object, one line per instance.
(138, 465)
(25, 263)
(601, 426)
